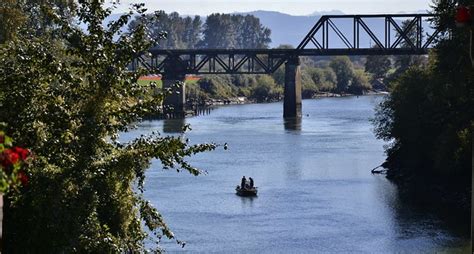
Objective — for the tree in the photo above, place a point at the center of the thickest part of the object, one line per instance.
(309, 87)
(428, 118)
(234, 31)
(251, 34)
(192, 32)
(34, 13)
(157, 26)
(402, 63)
(378, 65)
(178, 32)
(219, 32)
(360, 82)
(343, 68)
(266, 89)
(324, 79)
(218, 86)
(11, 18)
(68, 99)
(331, 80)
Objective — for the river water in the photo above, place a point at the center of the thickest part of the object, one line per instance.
(316, 192)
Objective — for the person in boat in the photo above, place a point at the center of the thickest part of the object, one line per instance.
(243, 183)
(251, 182)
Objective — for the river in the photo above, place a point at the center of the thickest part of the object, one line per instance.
(316, 192)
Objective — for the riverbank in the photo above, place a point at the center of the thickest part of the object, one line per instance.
(246, 100)
(329, 94)
(194, 107)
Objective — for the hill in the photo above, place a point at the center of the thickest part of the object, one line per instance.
(289, 29)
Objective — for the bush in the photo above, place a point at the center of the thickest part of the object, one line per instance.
(68, 101)
(218, 86)
(360, 82)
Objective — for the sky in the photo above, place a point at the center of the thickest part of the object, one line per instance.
(293, 7)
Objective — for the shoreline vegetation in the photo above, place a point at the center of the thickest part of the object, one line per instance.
(201, 94)
(429, 121)
(195, 109)
(245, 100)
(66, 94)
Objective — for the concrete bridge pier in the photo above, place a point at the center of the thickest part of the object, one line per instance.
(174, 103)
(292, 100)
(175, 70)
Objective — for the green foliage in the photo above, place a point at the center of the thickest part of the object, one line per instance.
(309, 87)
(251, 33)
(429, 115)
(244, 80)
(218, 86)
(403, 62)
(11, 19)
(266, 89)
(261, 88)
(30, 16)
(343, 68)
(378, 65)
(234, 31)
(324, 79)
(279, 75)
(360, 82)
(67, 98)
(337, 76)
(330, 80)
(218, 31)
(181, 32)
(146, 83)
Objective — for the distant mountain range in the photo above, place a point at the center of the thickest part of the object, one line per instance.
(288, 29)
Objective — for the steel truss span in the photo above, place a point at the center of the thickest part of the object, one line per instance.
(326, 38)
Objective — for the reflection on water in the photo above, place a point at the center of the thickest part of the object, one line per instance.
(316, 192)
(292, 123)
(421, 227)
(175, 125)
(247, 201)
(203, 110)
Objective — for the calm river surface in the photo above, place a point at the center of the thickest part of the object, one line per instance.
(316, 193)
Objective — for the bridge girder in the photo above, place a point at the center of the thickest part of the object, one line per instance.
(315, 43)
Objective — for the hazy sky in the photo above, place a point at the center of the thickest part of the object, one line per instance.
(294, 7)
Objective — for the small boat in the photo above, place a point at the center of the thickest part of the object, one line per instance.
(246, 192)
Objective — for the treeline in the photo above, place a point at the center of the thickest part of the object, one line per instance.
(339, 75)
(335, 75)
(342, 75)
(217, 31)
(66, 95)
(429, 119)
(258, 88)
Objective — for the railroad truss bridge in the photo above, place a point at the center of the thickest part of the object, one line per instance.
(330, 36)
